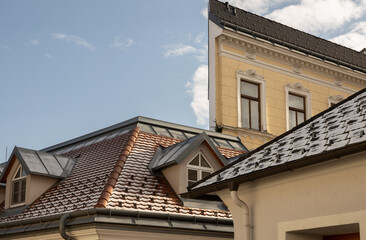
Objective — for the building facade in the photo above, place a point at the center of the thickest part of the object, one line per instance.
(265, 78)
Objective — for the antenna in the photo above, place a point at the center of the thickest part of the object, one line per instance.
(6, 153)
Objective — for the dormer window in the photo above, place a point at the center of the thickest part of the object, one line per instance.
(198, 168)
(19, 186)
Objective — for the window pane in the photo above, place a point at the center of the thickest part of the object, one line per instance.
(204, 163)
(192, 175)
(23, 172)
(191, 182)
(16, 192)
(22, 193)
(205, 174)
(245, 112)
(18, 173)
(254, 112)
(249, 89)
(300, 117)
(292, 119)
(296, 101)
(195, 161)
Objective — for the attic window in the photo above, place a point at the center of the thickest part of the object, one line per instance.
(18, 187)
(198, 168)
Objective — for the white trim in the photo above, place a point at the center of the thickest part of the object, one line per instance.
(285, 72)
(199, 169)
(285, 55)
(252, 76)
(20, 179)
(213, 32)
(298, 89)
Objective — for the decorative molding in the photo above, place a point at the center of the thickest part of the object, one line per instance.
(285, 55)
(253, 134)
(250, 74)
(338, 81)
(296, 69)
(336, 98)
(297, 86)
(250, 54)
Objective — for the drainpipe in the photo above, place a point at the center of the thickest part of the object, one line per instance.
(244, 213)
(62, 227)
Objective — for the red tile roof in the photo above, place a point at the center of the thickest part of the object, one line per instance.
(92, 180)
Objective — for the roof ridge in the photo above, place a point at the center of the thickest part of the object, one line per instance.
(117, 169)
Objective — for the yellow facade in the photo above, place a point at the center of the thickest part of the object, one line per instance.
(282, 71)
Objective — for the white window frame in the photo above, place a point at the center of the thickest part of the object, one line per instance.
(297, 89)
(252, 76)
(20, 179)
(199, 169)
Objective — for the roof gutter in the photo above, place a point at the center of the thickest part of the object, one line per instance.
(291, 46)
(286, 167)
(110, 213)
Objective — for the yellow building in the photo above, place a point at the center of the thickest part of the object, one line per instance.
(265, 78)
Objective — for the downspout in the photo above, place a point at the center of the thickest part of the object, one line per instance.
(244, 212)
(62, 227)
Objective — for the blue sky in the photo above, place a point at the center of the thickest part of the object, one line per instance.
(71, 67)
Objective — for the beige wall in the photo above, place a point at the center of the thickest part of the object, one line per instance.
(328, 194)
(35, 186)
(110, 232)
(278, 70)
(177, 174)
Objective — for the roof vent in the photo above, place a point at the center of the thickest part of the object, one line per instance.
(363, 51)
(361, 133)
(227, 6)
(234, 11)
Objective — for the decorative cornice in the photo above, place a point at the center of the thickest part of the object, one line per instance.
(296, 68)
(336, 98)
(289, 57)
(250, 54)
(297, 86)
(251, 74)
(338, 81)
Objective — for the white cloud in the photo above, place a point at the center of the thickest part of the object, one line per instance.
(49, 56)
(198, 88)
(204, 12)
(73, 39)
(122, 45)
(178, 50)
(181, 50)
(355, 39)
(32, 42)
(199, 38)
(319, 16)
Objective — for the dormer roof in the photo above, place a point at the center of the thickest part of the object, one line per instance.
(39, 163)
(176, 153)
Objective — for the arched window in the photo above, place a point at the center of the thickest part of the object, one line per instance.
(19, 185)
(198, 168)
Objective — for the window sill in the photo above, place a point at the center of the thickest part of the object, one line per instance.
(251, 132)
(17, 205)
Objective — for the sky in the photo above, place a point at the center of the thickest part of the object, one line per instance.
(68, 68)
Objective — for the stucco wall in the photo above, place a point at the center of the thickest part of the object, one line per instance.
(328, 194)
(277, 72)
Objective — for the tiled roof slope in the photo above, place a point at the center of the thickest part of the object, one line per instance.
(269, 30)
(336, 132)
(95, 170)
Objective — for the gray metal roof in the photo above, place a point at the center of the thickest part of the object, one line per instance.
(178, 152)
(321, 138)
(148, 125)
(41, 163)
(260, 27)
